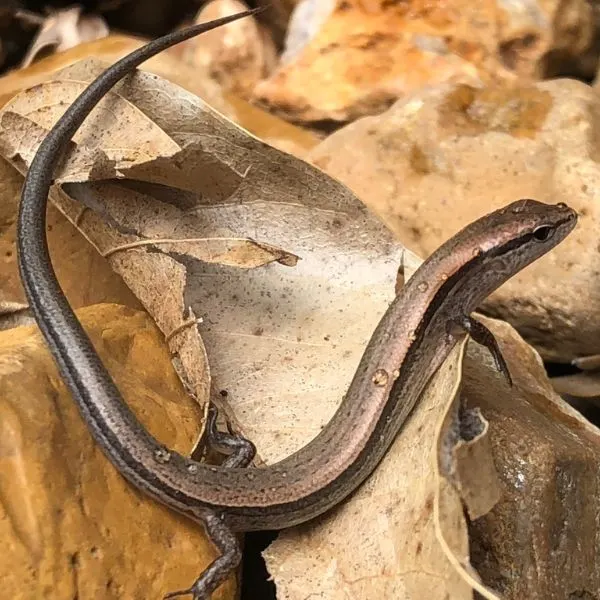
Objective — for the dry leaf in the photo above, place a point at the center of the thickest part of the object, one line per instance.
(64, 29)
(84, 275)
(465, 478)
(280, 323)
(383, 543)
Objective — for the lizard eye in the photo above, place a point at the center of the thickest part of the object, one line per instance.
(543, 233)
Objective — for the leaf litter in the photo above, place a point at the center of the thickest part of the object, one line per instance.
(267, 278)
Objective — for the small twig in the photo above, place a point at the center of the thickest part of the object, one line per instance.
(183, 326)
(29, 17)
(156, 241)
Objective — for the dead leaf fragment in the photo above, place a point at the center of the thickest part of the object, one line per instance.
(210, 180)
(64, 29)
(389, 523)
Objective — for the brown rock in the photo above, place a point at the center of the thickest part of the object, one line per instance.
(540, 540)
(71, 525)
(441, 158)
(549, 38)
(366, 55)
(277, 16)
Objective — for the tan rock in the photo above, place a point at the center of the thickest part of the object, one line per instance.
(70, 524)
(548, 38)
(441, 158)
(237, 55)
(368, 54)
(361, 60)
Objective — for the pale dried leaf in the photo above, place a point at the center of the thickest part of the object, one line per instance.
(466, 459)
(383, 543)
(579, 385)
(280, 339)
(65, 29)
(465, 476)
(588, 363)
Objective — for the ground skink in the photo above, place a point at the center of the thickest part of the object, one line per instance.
(417, 332)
